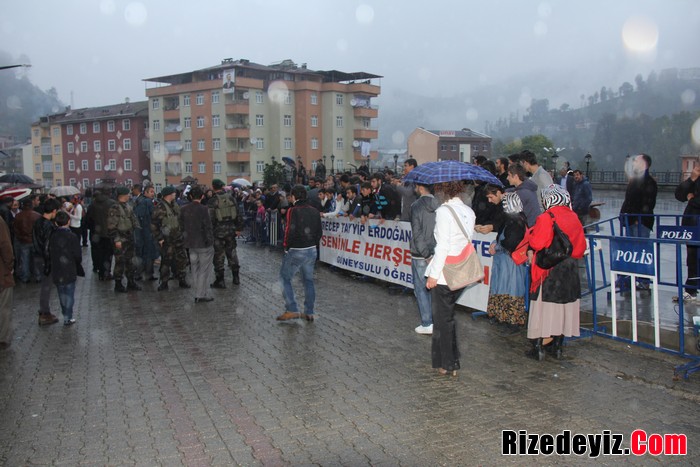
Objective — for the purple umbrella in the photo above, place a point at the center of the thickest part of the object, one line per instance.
(449, 171)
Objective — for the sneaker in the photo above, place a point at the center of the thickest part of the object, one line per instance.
(424, 329)
(47, 318)
(69, 322)
(686, 298)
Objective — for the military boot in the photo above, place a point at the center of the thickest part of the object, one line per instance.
(236, 278)
(119, 287)
(132, 285)
(219, 283)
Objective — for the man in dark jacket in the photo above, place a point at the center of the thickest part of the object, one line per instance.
(121, 223)
(302, 235)
(100, 243)
(386, 198)
(66, 256)
(145, 247)
(198, 238)
(422, 218)
(689, 191)
(581, 196)
(41, 232)
(527, 190)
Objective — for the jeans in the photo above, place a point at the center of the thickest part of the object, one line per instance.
(295, 260)
(66, 295)
(418, 267)
(26, 262)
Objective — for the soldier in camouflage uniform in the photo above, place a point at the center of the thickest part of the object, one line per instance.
(223, 211)
(166, 232)
(121, 223)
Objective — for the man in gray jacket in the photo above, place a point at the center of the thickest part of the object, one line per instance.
(198, 238)
(422, 218)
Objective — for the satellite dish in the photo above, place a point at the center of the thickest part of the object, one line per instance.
(253, 140)
(356, 144)
(246, 95)
(178, 128)
(353, 102)
(144, 172)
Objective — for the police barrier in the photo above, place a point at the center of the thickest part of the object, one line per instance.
(638, 264)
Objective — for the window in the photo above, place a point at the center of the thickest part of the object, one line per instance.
(156, 147)
(97, 146)
(200, 122)
(314, 121)
(95, 127)
(287, 97)
(58, 182)
(215, 97)
(58, 168)
(241, 167)
(314, 143)
(111, 145)
(157, 167)
(127, 144)
(70, 147)
(71, 166)
(200, 145)
(37, 167)
(443, 147)
(69, 130)
(200, 98)
(36, 150)
(453, 147)
(365, 123)
(36, 132)
(339, 99)
(155, 105)
(188, 145)
(287, 143)
(158, 187)
(83, 146)
(86, 182)
(129, 182)
(56, 132)
(57, 149)
(216, 144)
(217, 167)
(287, 120)
(83, 128)
(112, 164)
(314, 99)
(215, 120)
(126, 124)
(85, 165)
(339, 143)
(188, 167)
(258, 97)
(188, 122)
(339, 122)
(98, 165)
(186, 100)
(47, 166)
(156, 125)
(260, 166)
(260, 143)
(202, 167)
(259, 120)
(110, 126)
(127, 164)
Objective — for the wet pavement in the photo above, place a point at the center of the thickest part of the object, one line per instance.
(152, 378)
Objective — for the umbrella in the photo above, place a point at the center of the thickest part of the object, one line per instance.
(242, 182)
(16, 179)
(289, 161)
(66, 190)
(449, 171)
(16, 193)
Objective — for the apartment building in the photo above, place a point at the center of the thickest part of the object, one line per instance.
(229, 120)
(435, 145)
(86, 147)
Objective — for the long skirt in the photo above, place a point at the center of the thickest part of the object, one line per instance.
(444, 351)
(507, 290)
(553, 319)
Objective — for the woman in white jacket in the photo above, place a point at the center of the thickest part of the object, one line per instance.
(450, 242)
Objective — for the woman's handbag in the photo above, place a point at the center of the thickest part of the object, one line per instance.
(519, 255)
(464, 269)
(557, 251)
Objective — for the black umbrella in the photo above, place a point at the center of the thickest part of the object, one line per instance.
(16, 178)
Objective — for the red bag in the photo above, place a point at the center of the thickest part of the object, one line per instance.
(519, 255)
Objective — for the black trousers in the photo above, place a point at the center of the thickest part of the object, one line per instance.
(444, 351)
(692, 282)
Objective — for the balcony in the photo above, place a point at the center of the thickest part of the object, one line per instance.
(365, 112)
(237, 131)
(237, 156)
(171, 136)
(365, 133)
(171, 113)
(238, 107)
(357, 155)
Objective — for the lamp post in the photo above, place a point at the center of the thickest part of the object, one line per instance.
(332, 164)
(588, 158)
(324, 159)
(369, 156)
(396, 163)
(554, 162)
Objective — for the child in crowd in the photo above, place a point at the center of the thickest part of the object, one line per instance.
(66, 264)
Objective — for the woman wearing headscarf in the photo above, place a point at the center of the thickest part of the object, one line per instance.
(451, 241)
(508, 280)
(555, 294)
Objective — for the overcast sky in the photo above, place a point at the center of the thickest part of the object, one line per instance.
(97, 52)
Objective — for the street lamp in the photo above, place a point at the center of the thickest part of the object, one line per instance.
(369, 171)
(396, 163)
(324, 159)
(332, 164)
(588, 163)
(554, 161)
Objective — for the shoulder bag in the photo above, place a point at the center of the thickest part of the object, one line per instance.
(557, 251)
(464, 269)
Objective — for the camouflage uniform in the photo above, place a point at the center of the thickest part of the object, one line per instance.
(121, 223)
(173, 257)
(223, 211)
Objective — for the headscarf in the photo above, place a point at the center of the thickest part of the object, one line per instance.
(555, 195)
(512, 204)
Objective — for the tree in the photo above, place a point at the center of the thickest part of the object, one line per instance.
(274, 174)
(639, 80)
(626, 89)
(603, 94)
